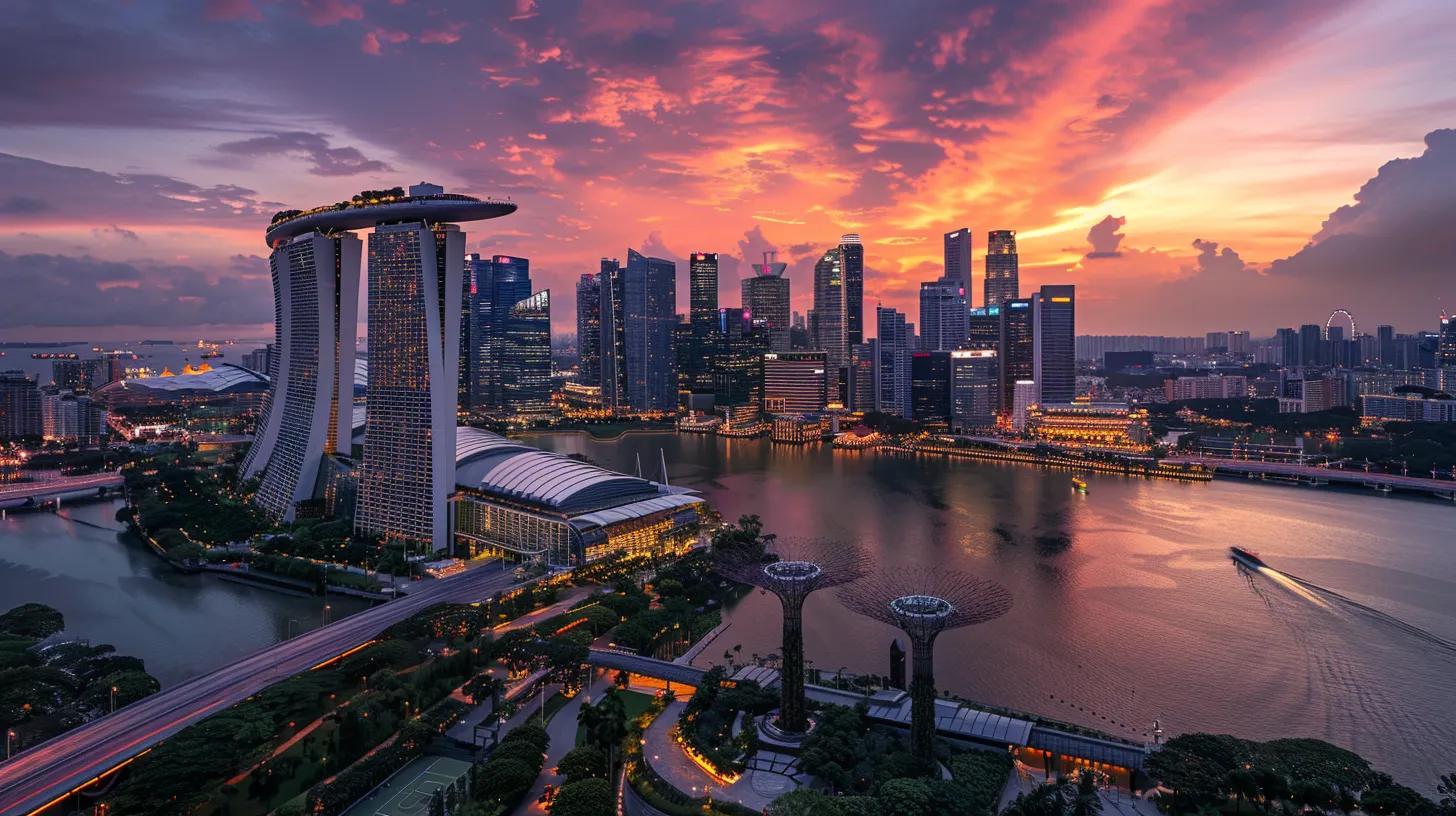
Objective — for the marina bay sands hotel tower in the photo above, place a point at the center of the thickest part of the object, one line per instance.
(415, 285)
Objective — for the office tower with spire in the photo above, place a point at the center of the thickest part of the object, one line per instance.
(309, 412)
(958, 259)
(851, 250)
(943, 315)
(1002, 272)
(766, 297)
(589, 330)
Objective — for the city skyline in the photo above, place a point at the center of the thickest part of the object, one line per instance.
(1166, 179)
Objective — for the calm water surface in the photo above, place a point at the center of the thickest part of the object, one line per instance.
(1128, 607)
(113, 590)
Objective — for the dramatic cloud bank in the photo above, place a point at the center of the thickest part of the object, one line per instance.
(172, 130)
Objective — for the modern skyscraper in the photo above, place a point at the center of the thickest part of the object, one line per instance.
(703, 315)
(1002, 273)
(1385, 345)
(737, 359)
(1288, 343)
(1311, 345)
(975, 389)
(500, 282)
(851, 251)
(1018, 347)
(1055, 369)
(19, 406)
(1446, 348)
(309, 411)
(861, 384)
(930, 386)
(983, 330)
(639, 366)
(766, 296)
(828, 319)
(416, 260)
(703, 293)
(795, 382)
(943, 315)
(958, 259)
(409, 440)
(589, 330)
(526, 361)
(892, 369)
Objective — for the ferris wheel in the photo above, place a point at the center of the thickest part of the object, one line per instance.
(1354, 332)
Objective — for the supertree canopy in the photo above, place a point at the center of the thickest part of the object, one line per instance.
(923, 603)
(792, 569)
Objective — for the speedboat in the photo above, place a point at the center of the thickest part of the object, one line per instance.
(1079, 484)
(1246, 557)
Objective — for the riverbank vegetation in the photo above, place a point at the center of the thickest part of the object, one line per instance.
(49, 686)
(717, 723)
(1218, 771)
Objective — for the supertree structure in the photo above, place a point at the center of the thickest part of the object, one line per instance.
(922, 603)
(792, 569)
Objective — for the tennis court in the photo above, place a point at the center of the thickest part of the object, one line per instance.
(409, 790)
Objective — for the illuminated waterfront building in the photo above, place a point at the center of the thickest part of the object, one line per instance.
(1018, 348)
(894, 344)
(1002, 281)
(766, 297)
(70, 417)
(797, 429)
(1054, 348)
(735, 363)
(19, 406)
(795, 382)
(1101, 425)
(1023, 397)
(306, 415)
(975, 389)
(930, 386)
(1377, 409)
(860, 384)
(528, 504)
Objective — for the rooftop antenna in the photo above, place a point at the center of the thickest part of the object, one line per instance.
(662, 457)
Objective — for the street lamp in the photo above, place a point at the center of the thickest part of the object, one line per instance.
(288, 630)
(327, 610)
(113, 699)
(9, 742)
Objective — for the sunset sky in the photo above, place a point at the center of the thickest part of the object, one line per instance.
(1190, 166)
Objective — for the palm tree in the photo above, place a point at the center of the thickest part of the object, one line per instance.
(1272, 786)
(1242, 785)
(1083, 799)
(1043, 800)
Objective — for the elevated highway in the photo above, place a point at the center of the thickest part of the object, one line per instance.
(47, 773)
(27, 494)
(1311, 474)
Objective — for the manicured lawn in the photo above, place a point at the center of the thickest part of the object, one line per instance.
(635, 702)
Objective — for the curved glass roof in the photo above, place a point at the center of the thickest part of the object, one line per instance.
(503, 467)
(220, 378)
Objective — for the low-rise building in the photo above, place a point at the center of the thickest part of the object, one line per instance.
(797, 429)
(1376, 409)
(1103, 425)
(1213, 386)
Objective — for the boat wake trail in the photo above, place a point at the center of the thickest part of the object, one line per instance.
(1330, 599)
